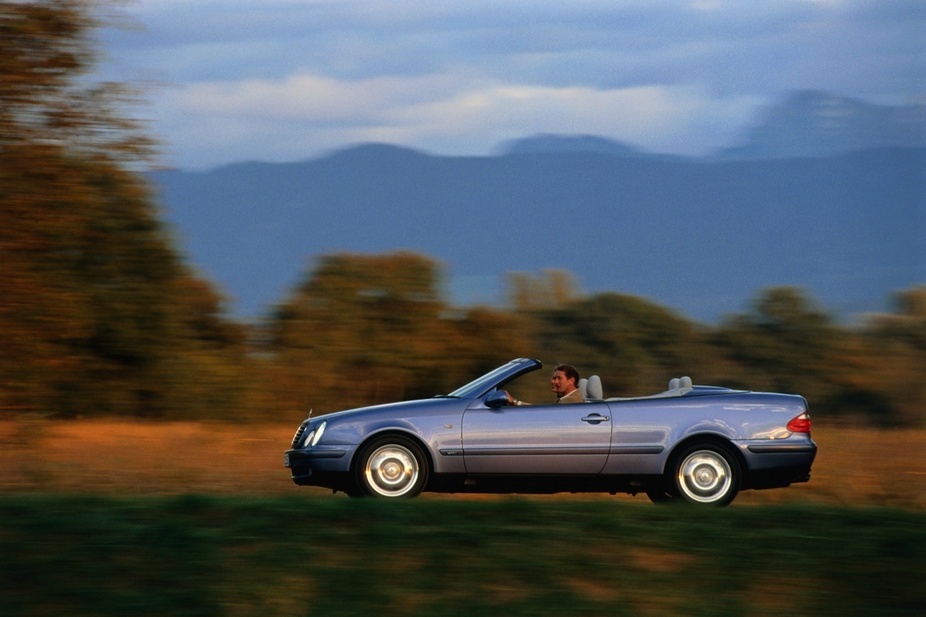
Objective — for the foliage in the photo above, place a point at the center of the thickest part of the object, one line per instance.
(362, 329)
(48, 101)
(196, 555)
(789, 344)
(891, 361)
(634, 345)
(99, 315)
(374, 329)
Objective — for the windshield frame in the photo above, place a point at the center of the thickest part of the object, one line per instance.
(496, 377)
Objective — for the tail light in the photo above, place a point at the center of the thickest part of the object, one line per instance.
(800, 424)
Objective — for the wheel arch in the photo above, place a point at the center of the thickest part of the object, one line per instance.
(392, 432)
(711, 438)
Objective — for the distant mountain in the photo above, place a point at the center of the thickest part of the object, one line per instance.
(560, 144)
(699, 235)
(812, 123)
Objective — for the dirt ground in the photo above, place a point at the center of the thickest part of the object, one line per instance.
(854, 466)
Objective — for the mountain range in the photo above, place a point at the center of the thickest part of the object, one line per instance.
(825, 193)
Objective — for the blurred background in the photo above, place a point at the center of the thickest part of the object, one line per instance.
(115, 301)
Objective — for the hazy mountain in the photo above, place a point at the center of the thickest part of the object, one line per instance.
(699, 235)
(551, 143)
(812, 123)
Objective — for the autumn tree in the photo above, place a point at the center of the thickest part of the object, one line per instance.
(893, 349)
(94, 303)
(362, 329)
(633, 344)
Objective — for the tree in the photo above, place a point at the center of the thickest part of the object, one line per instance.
(46, 55)
(895, 347)
(93, 299)
(373, 328)
(788, 344)
(634, 345)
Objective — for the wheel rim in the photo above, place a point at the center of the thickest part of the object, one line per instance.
(705, 476)
(391, 471)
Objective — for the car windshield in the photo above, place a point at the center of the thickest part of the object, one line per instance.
(479, 386)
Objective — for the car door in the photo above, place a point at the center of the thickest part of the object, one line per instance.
(536, 439)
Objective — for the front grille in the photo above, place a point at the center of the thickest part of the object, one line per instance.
(299, 433)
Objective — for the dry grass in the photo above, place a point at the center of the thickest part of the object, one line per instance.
(854, 466)
(131, 457)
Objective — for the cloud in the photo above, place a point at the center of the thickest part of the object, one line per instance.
(311, 113)
(271, 77)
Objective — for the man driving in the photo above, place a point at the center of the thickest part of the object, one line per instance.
(564, 384)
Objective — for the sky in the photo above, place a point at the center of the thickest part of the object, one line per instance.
(288, 80)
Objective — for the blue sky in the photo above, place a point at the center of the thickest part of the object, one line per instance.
(287, 80)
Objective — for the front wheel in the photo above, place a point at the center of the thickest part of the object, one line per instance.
(706, 473)
(393, 467)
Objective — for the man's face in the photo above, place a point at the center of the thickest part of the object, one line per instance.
(562, 385)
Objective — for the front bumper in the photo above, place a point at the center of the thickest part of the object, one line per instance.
(316, 467)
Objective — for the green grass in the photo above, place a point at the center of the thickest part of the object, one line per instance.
(332, 556)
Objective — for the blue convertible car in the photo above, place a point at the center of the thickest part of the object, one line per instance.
(700, 444)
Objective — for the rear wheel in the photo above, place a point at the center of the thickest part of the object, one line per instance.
(392, 467)
(706, 473)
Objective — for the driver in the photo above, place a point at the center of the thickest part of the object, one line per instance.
(564, 384)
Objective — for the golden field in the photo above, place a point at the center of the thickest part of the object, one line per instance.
(854, 466)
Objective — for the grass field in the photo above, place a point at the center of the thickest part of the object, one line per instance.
(306, 556)
(854, 466)
(126, 518)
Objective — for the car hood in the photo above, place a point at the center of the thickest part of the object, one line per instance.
(428, 406)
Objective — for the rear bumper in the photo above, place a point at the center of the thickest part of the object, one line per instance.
(800, 448)
(773, 465)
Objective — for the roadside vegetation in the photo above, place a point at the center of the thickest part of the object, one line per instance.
(294, 556)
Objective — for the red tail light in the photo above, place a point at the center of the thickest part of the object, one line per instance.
(800, 424)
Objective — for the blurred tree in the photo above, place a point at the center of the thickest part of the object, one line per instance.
(788, 344)
(780, 341)
(634, 345)
(94, 304)
(373, 328)
(894, 346)
(46, 54)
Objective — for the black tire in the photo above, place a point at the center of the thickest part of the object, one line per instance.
(392, 467)
(705, 473)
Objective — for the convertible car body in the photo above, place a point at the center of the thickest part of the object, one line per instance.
(700, 444)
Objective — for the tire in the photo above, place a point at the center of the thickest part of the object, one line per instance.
(705, 473)
(392, 467)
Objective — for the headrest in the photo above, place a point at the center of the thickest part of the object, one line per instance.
(593, 388)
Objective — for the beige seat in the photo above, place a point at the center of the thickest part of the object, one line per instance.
(593, 389)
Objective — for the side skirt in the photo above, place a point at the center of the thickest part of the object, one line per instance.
(540, 485)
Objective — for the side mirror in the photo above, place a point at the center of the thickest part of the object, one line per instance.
(497, 399)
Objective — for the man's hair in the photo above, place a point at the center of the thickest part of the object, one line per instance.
(569, 371)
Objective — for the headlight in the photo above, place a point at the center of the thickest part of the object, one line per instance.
(312, 437)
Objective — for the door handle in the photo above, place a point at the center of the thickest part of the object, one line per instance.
(595, 418)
